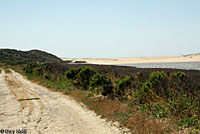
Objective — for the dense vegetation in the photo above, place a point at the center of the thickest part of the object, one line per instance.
(161, 95)
(15, 57)
(156, 93)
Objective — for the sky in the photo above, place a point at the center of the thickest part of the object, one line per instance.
(101, 28)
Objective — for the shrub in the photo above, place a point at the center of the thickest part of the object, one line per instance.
(84, 76)
(80, 76)
(88, 78)
(46, 76)
(143, 94)
(47, 66)
(155, 85)
(71, 73)
(121, 87)
(38, 71)
(156, 77)
(158, 111)
(160, 84)
(29, 68)
(123, 83)
(138, 76)
(179, 75)
(100, 84)
(188, 121)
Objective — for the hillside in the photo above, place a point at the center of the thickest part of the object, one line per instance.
(12, 57)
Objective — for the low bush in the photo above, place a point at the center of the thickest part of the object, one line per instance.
(29, 68)
(84, 76)
(157, 110)
(47, 66)
(179, 75)
(71, 73)
(122, 86)
(46, 76)
(38, 71)
(89, 79)
(80, 76)
(156, 78)
(100, 84)
(144, 94)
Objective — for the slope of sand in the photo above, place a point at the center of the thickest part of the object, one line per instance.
(161, 59)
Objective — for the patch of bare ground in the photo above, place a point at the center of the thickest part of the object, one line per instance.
(22, 94)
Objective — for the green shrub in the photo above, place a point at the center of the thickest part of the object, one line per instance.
(46, 76)
(121, 87)
(38, 71)
(188, 121)
(100, 84)
(144, 94)
(84, 76)
(160, 84)
(156, 77)
(159, 111)
(123, 83)
(156, 110)
(179, 75)
(138, 76)
(47, 66)
(155, 86)
(97, 80)
(29, 68)
(88, 78)
(80, 76)
(71, 73)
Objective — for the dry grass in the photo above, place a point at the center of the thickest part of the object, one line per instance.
(114, 110)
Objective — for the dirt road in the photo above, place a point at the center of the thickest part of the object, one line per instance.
(28, 106)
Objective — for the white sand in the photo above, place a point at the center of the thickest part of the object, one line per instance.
(161, 59)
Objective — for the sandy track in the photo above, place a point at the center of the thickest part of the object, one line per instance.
(25, 105)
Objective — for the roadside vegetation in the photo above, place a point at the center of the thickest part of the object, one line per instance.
(162, 103)
(147, 101)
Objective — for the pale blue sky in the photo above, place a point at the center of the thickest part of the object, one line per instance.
(101, 28)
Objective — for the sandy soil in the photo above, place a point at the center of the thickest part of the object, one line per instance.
(161, 59)
(25, 105)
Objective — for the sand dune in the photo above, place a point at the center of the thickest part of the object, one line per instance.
(160, 59)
